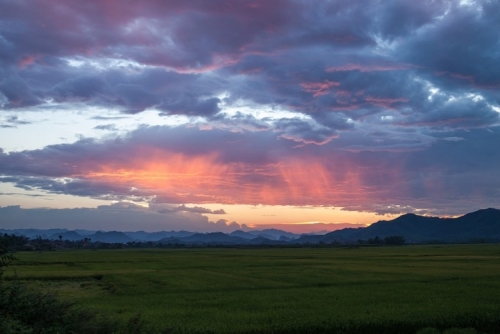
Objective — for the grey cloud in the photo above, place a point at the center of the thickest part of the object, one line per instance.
(83, 87)
(77, 187)
(334, 120)
(383, 54)
(107, 127)
(190, 106)
(195, 209)
(125, 217)
(231, 146)
(134, 98)
(12, 121)
(239, 121)
(304, 131)
(462, 46)
(456, 112)
(17, 93)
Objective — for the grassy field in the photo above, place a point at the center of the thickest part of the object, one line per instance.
(281, 290)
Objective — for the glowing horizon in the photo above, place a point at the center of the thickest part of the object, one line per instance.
(275, 112)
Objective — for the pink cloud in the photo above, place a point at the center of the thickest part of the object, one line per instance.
(369, 68)
(460, 76)
(26, 61)
(319, 88)
(385, 102)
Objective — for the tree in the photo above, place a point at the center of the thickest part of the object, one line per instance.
(375, 241)
(394, 240)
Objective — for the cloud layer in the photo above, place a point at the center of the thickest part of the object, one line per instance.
(118, 217)
(371, 106)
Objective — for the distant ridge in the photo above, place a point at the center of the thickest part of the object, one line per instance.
(479, 225)
(110, 237)
(68, 235)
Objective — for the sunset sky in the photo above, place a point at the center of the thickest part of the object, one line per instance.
(223, 114)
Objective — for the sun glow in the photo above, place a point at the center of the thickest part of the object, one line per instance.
(178, 178)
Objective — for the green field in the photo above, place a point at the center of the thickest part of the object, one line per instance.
(280, 290)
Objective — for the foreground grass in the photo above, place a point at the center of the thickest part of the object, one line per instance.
(356, 290)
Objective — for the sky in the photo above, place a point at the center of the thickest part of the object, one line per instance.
(221, 115)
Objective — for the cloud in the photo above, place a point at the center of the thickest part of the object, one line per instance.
(80, 88)
(285, 103)
(462, 43)
(304, 132)
(107, 127)
(188, 165)
(118, 216)
(12, 121)
(191, 106)
(17, 93)
(195, 209)
(344, 56)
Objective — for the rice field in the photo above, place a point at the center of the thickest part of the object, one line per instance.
(279, 290)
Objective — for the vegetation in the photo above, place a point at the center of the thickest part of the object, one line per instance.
(408, 289)
(28, 311)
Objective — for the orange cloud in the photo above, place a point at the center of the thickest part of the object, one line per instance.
(178, 178)
(168, 174)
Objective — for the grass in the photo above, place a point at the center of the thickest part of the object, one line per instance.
(280, 290)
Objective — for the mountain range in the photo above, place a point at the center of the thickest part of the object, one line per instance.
(482, 224)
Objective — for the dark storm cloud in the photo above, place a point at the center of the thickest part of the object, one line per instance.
(77, 187)
(17, 93)
(386, 96)
(134, 98)
(83, 87)
(357, 58)
(190, 106)
(462, 46)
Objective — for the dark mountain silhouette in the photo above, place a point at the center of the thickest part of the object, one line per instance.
(274, 234)
(270, 234)
(33, 232)
(156, 236)
(218, 238)
(478, 225)
(482, 224)
(69, 235)
(243, 234)
(110, 237)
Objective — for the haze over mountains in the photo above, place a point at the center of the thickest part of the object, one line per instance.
(482, 224)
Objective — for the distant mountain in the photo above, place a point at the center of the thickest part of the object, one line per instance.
(156, 236)
(33, 232)
(69, 235)
(243, 234)
(274, 234)
(482, 224)
(110, 237)
(218, 238)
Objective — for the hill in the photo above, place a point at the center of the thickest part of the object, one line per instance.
(481, 224)
(110, 237)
